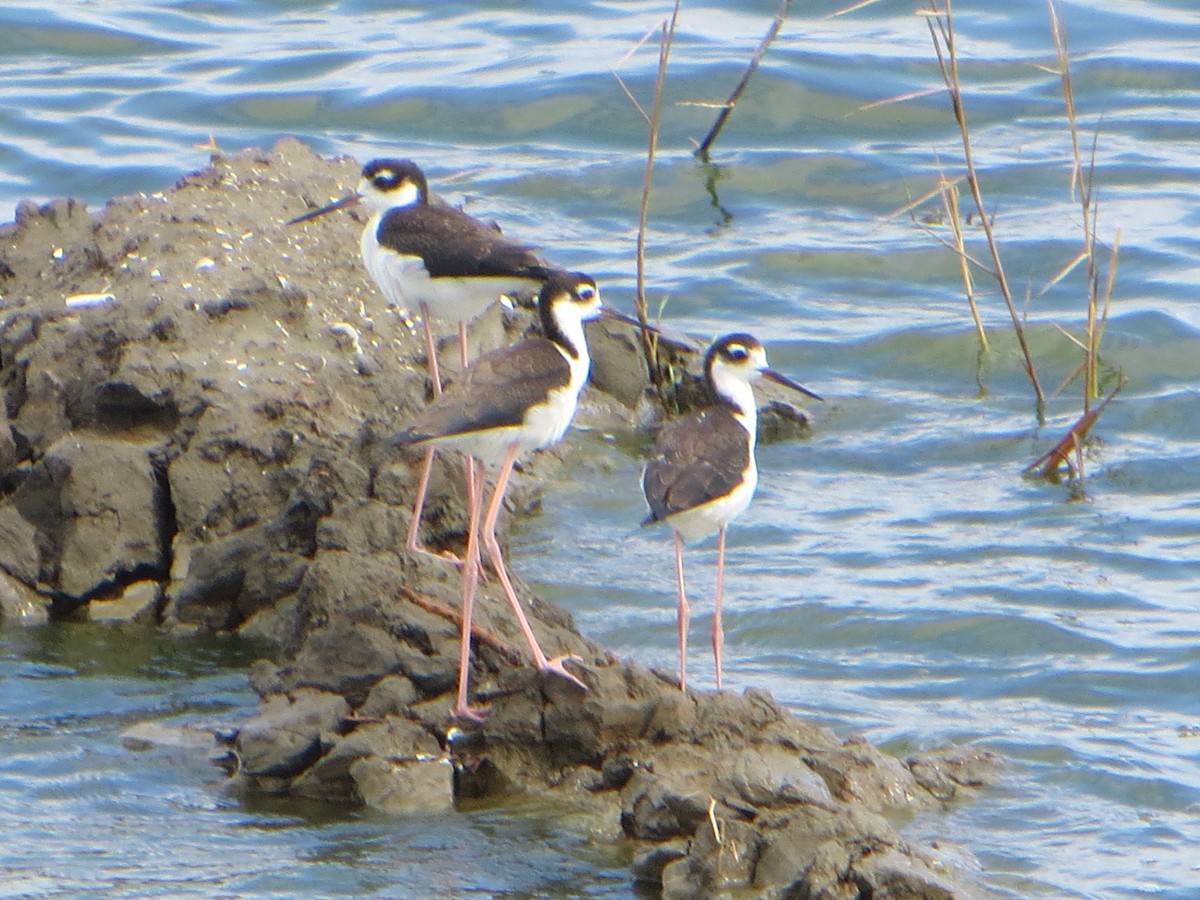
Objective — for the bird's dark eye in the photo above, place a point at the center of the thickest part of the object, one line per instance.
(384, 178)
(737, 352)
(586, 293)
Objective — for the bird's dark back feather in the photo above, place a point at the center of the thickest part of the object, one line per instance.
(696, 459)
(495, 392)
(454, 244)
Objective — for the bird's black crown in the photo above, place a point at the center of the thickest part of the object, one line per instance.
(389, 174)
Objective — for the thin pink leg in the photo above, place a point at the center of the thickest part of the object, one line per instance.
(431, 359)
(683, 613)
(412, 541)
(718, 632)
(469, 585)
(493, 547)
(462, 344)
(465, 357)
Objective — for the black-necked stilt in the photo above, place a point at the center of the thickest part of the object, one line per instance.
(511, 401)
(702, 473)
(437, 258)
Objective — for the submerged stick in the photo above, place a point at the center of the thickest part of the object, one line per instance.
(1048, 464)
(727, 109)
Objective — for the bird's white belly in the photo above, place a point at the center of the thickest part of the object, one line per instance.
(405, 282)
(701, 521)
(543, 426)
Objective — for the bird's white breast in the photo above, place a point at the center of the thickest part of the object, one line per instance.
(708, 518)
(406, 283)
(544, 424)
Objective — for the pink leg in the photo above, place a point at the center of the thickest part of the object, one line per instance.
(493, 547)
(464, 356)
(431, 359)
(718, 632)
(413, 542)
(683, 613)
(470, 584)
(462, 344)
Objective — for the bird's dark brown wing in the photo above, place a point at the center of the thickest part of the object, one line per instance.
(495, 392)
(455, 245)
(696, 459)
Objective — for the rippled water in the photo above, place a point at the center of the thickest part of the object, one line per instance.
(896, 575)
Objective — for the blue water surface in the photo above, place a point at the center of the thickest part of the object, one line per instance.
(896, 576)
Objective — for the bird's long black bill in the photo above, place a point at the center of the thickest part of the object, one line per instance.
(607, 312)
(349, 200)
(787, 382)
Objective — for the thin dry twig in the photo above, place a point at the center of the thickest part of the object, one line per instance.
(950, 203)
(924, 198)
(862, 4)
(899, 98)
(649, 342)
(941, 31)
(478, 632)
(628, 93)
(947, 191)
(1083, 186)
(723, 116)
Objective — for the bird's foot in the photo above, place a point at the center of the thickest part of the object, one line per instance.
(443, 556)
(555, 666)
(468, 713)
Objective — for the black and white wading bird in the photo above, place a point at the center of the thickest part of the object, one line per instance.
(702, 473)
(438, 259)
(509, 402)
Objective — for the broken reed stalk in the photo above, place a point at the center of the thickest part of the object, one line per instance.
(1071, 446)
(649, 342)
(943, 35)
(727, 109)
(1098, 303)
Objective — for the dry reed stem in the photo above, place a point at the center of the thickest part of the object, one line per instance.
(943, 35)
(935, 191)
(855, 7)
(628, 93)
(727, 110)
(667, 32)
(899, 98)
(950, 203)
(947, 192)
(1082, 185)
(1109, 283)
(649, 342)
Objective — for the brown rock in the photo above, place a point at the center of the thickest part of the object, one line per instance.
(286, 736)
(21, 605)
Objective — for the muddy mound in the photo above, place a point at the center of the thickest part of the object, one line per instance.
(197, 404)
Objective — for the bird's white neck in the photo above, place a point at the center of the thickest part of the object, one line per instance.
(378, 202)
(734, 390)
(572, 343)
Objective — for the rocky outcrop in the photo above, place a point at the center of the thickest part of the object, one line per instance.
(196, 404)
